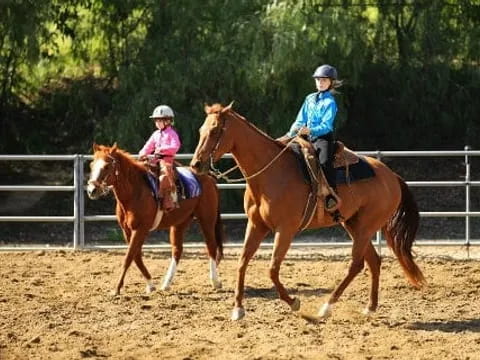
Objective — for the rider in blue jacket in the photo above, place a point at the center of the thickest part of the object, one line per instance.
(316, 120)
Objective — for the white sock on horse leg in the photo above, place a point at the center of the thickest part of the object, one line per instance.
(170, 274)
(150, 286)
(217, 284)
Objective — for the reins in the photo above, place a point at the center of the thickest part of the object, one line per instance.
(219, 175)
(104, 188)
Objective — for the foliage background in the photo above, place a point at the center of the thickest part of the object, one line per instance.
(77, 71)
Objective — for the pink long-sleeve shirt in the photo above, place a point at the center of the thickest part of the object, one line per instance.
(165, 142)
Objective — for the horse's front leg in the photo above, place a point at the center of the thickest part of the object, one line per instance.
(150, 287)
(136, 241)
(254, 234)
(176, 241)
(282, 242)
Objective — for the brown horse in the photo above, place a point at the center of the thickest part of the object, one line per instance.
(138, 213)
(275, 199)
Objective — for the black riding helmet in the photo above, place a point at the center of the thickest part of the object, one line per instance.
(325, 71)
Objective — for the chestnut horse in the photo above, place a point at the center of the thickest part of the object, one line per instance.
(276, 196)
(137, 212)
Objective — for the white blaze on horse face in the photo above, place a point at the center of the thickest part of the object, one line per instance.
(205, 138)
(203, 129)
(97, 167)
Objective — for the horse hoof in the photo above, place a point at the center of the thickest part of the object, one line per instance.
(114, 293)
(368, 312)
(325, 311)
(165, 287)
(295, 305)
(238, 313)
(217, 284)
(150, 288)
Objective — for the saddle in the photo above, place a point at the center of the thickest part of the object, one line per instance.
(343, 158)
(186, 183)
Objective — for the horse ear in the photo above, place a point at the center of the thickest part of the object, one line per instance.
(113, 148)
(206, 108)
(95, 147)
(228, 107)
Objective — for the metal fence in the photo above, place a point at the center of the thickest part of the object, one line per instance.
(79, 217)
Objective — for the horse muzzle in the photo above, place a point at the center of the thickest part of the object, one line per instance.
(95, 190)
(199, 167)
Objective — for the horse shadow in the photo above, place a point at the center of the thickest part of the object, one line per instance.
(454, 326)
(271, 292)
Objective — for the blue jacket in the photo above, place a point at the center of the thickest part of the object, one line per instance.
(317, 113)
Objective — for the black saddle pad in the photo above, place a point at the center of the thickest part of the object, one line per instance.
(302, 165)
(359, 171)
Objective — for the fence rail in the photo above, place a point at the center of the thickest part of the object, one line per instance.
(79, 218)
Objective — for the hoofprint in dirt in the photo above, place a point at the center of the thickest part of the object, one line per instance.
(57, 305)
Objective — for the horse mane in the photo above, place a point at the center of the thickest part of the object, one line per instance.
(127, 157)
(218, 108)
(123, 156)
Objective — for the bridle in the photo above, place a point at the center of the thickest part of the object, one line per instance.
(213, 170)
(219, 175)
(102, 184)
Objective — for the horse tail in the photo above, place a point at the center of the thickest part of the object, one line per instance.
(219, 236)
(400, 232)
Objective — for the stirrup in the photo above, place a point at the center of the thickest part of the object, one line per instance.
(332, 203)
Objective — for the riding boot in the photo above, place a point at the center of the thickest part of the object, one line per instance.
(167, 187)
(332, 200)
(167, 202)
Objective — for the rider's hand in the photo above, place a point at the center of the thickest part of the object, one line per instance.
(304, 131)
(283, 139)
(159, 156)
(142, 158)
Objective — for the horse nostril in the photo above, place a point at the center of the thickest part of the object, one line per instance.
(91, 192)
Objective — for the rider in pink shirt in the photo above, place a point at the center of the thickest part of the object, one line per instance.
(164, 144)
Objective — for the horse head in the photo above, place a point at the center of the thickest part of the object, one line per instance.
(214, 140)
(103, 170)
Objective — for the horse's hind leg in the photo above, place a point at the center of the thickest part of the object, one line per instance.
(254, 234)
(373, 262)
(134, 247)
(143, 269)
(280, 248)
(176, 241)
(207, 225)
(361, 239)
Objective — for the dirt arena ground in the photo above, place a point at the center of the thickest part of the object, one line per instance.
(57, 305)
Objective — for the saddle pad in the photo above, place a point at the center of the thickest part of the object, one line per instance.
(152, 182)
(358, 171)
(302, 165)
(190, 183)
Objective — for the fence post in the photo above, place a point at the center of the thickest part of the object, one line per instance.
(81, 203)
(379, 232)
(467, 200)
(76, 201)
